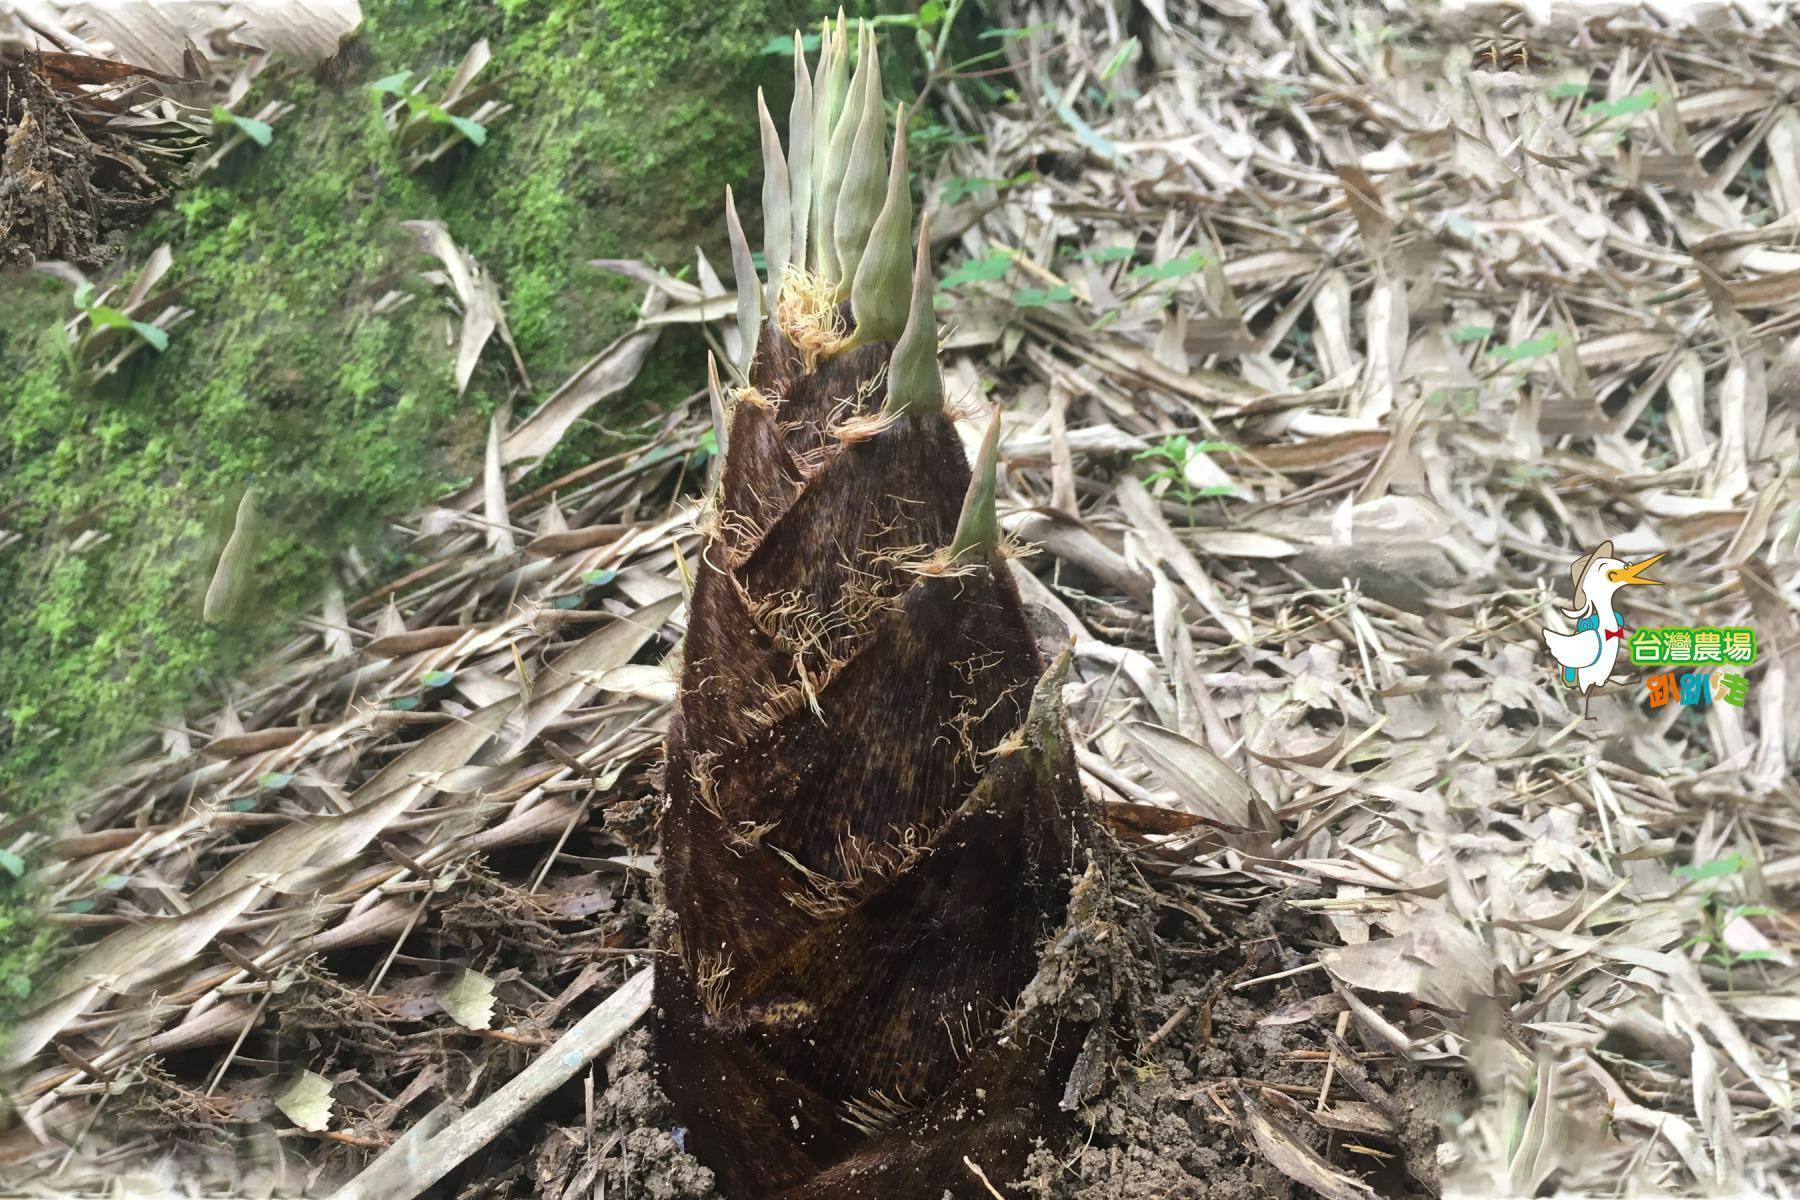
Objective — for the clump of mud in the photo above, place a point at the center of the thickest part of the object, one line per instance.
(71, 183)
(1162, 1115)
(1172, 1123)
(636, 1150)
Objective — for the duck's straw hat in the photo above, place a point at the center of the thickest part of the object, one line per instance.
(1580, 569)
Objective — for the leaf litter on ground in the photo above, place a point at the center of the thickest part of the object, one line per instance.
(1447, 338)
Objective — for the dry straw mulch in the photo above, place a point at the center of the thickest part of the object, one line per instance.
(1443, 301)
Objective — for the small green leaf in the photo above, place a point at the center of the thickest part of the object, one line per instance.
(112, 883)
(1537, 347)
(1040, 297)
(437, 678)
(1012, 34)
(84, 293)
(1090, 137)
(406, 703)
(958, 188)
(469, 1000)
(1568, 89)
(1711, 870)
(992, 267)
(244, 804)
(257, 131)
(11, 863)
(275, 779)
(391, 85)
(1119, 59)
(932, 11)
(1176, 447)
(105, 316)
(469, 129)
(571, 601)
(1471, 333)
(83, 905)
(599, 576)
(1625, 106)
(158, 339)
(782, 44)
(1219, 489)
(1175, 268)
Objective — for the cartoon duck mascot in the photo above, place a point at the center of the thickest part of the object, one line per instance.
(1587, 655)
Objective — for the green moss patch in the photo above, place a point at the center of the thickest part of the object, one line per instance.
(628, 122)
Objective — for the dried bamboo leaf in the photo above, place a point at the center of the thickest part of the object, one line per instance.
(306, 1101)
(565, 682)
(233, 571)
(1295, 1159)
(607, 373)
(469, 999)
(157, 33)
(295, 857)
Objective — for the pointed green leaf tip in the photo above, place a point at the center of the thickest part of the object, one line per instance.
(879, 294)
(778, 222)
(831, 138)
(979, 525)
(859, 203)
(800, 155)
(915, 385)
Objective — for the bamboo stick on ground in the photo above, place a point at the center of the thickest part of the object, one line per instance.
(413, 1164)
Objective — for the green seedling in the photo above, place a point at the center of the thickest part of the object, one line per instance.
(257, 131)
(1042, 297)
(958, 188)
(1170, 474)
(107, 319)
(1717, 911)
(994, 265)
(465, 110)
(1624, 106)
(104, 316)
(420, 107)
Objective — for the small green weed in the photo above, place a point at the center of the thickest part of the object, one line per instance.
(1717, 911)
(1172, 457)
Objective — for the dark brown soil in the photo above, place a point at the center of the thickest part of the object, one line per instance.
(1167, 1123)
(651, 1160)
(70, 185)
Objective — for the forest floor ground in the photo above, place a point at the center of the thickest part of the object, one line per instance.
(1324, 349)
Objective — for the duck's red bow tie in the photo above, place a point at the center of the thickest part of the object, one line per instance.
(1614, 633)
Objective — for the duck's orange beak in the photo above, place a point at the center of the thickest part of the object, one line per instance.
(1632, 574)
